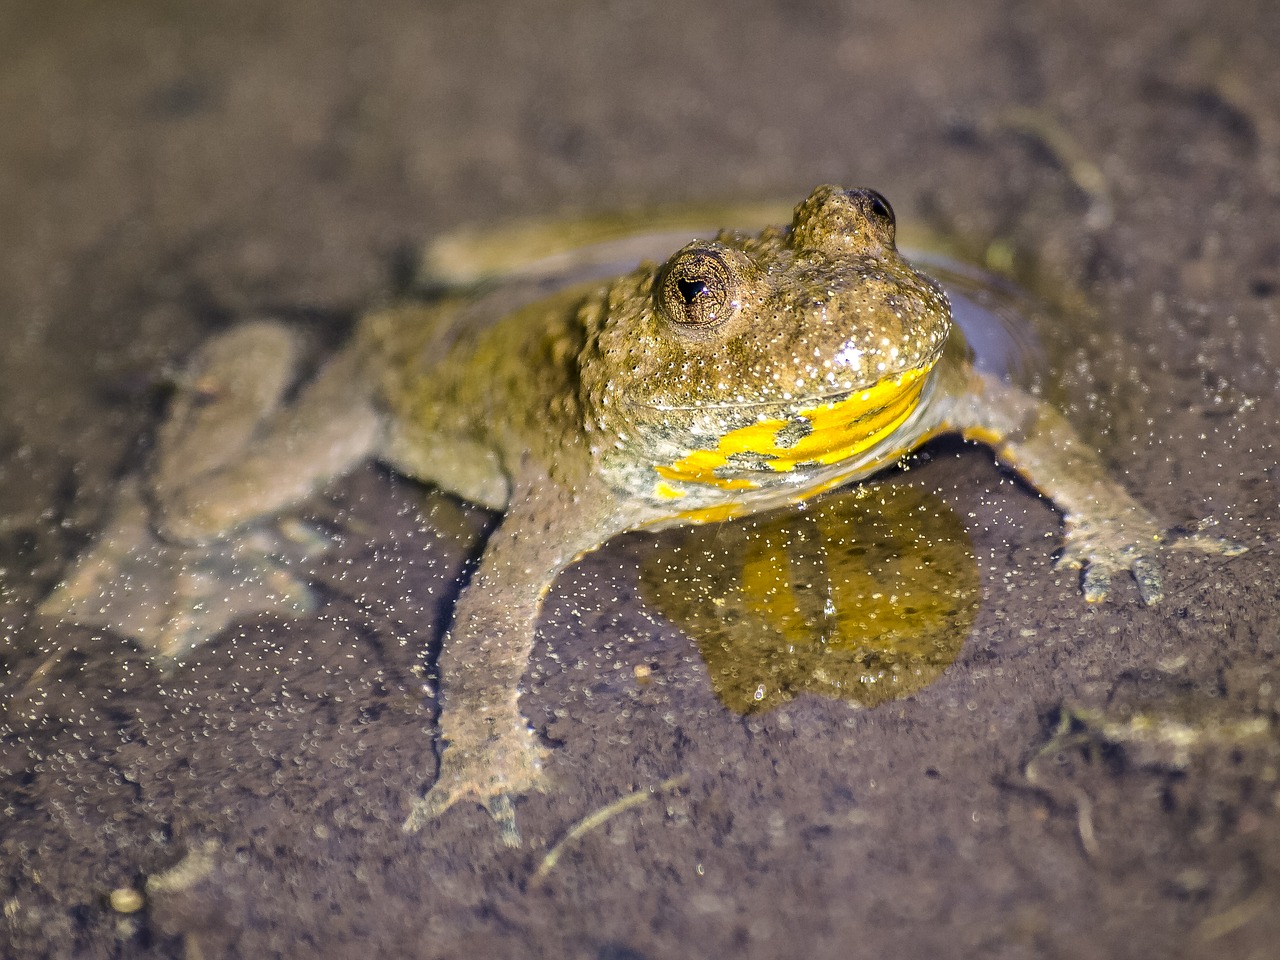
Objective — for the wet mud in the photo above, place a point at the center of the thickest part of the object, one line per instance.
(1079, 781)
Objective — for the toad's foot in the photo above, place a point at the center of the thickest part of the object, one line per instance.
(1106, 530)
(493, 773)
(1102, 548)
(169, 598)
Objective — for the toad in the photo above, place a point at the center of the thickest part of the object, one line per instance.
(745, 372)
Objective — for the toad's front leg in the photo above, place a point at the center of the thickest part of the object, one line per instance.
(1106, 531)
(490, 754)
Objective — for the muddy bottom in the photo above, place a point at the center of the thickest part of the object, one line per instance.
(1078, 781)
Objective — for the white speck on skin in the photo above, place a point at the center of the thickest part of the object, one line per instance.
(848, 356)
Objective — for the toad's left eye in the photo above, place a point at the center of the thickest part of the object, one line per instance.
(839, 221)
(699, 287)
(878, 207)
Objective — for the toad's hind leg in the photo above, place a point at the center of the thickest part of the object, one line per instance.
(229, 387)
(193, 545)
(231, 454)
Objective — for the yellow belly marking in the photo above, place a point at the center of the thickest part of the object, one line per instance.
(841, 430)
(667, 491)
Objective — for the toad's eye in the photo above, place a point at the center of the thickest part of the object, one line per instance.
(858, 222)
(878, 207)
(699, 287)
(691, 290)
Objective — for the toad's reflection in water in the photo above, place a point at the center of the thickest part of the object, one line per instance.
(865, 596)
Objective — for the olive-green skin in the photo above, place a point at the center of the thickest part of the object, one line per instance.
(631, 377)
(741, 373)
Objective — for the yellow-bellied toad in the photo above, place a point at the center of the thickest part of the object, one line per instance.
(745, 372)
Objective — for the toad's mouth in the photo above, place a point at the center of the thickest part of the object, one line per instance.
(831, 430)
(835, 396)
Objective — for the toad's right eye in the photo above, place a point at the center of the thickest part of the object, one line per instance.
(699, 287)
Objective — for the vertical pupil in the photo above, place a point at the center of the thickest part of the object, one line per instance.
(690, 290)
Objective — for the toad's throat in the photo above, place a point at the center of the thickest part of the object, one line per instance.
(829, 432)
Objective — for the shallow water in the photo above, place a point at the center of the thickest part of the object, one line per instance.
(864, 596)
(171, 170)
